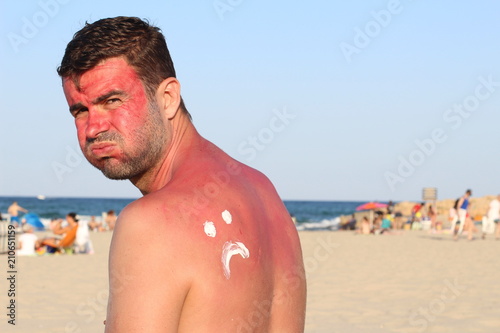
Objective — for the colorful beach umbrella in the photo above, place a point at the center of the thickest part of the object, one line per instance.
(371, 205)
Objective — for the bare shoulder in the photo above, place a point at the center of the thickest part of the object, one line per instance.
(145, 256)
(153, 226)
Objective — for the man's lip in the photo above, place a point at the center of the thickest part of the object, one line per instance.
(102, 148)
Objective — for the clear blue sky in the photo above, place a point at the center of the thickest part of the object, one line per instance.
(333, 100)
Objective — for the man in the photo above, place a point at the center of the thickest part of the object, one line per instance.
(210, 246)
(461, 207)
(13, 211)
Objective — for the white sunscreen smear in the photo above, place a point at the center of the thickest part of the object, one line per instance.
(230, 249)
(209, 228)
(226, 216)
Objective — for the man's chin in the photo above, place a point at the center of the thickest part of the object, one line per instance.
(116, 173)
(111, 171)
(114, 176)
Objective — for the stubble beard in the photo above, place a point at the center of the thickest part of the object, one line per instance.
(149, 143)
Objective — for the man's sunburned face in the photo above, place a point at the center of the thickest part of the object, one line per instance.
(119, 131)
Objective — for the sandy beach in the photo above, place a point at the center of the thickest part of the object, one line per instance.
(411, 282)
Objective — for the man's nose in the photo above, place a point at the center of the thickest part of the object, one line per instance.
(97, 123)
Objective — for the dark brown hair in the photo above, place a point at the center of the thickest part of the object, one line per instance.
(141, 44)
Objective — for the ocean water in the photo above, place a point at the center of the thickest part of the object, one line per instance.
(309, 214)
(58, 207)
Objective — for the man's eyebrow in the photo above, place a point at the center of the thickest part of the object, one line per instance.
(75, 107)
(108, 95)
(98, 100)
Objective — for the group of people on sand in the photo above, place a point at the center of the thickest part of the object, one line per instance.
(70, 235)
(425, 211)
(459, 218)
(67, 236)
(383, 223)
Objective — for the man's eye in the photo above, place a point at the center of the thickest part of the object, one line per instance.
(76, 113)
(113, 101)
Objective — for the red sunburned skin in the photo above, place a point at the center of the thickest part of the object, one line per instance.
(110, 107)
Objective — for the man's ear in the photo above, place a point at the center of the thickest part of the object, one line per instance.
(168, 96)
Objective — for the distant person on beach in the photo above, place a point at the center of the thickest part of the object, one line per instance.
(27, 241)
(453, 215)
(210, 246)
(398, 220)
(432, 214)
(350, 224)
(377, 221)
(13, 211)
(55, 224)
(385, 224)
(492, 217)
(364, 228)
(95, 225)
(110, 220)
(416, 213)
(461, 207)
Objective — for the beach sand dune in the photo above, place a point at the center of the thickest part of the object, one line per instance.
(411, 282)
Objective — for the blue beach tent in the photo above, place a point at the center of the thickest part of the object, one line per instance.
(34, 220)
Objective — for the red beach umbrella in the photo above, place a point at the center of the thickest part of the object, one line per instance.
(371, 205)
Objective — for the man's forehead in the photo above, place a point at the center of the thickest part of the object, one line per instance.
(108, 72)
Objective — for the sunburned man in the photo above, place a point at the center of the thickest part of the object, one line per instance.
(210, 246)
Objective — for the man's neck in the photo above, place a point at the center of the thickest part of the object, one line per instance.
(183, 135)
